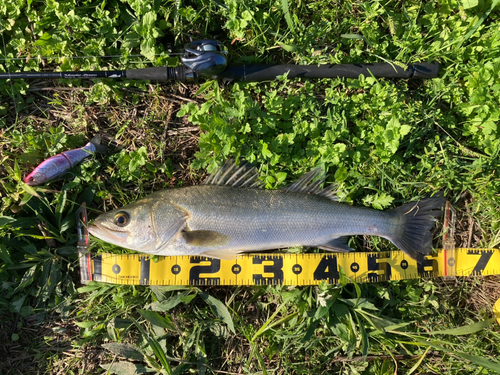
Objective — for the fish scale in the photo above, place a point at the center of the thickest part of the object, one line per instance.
(276, 218)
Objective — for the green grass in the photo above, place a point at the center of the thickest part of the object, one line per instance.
(384, 142)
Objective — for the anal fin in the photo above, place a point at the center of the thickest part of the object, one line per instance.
(338, 244)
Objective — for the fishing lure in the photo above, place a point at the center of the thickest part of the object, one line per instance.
(60, 164)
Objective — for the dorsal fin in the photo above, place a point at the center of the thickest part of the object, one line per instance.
(230, 174)
(310, 183)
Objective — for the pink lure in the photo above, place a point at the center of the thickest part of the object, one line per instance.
(57, 165)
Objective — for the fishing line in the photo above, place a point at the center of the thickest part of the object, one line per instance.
(85, 57)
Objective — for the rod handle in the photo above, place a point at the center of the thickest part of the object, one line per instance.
(265, 72)
(161, 74)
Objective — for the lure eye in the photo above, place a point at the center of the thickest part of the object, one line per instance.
(122, 218)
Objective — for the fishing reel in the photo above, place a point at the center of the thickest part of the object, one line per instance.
(205, 59)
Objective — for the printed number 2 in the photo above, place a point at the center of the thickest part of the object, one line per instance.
(196, 271)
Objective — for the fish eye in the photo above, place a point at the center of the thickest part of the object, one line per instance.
(122, 218)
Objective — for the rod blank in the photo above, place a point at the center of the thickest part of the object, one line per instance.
(70, 75)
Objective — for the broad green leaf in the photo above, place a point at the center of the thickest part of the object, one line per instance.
(43, 40)
(5, 254)
(352, 36)
(28, 189)
(378, 201)
(310, 331)
(120, 323)
(86, 324)
(219, 309)
(124, 368)
(289, 47)
(170, 303)
(464, 330)
(361, 303)
(27, 279)
(5, 220)
(18, 303)
(364, 337)
(281, 176)
(166, 305)
(17, 172)
(288, 18)
(89, 288)
(156, 347)
(160, 291)
(467, 4)
(156, 319)
(125, 350)
(382, 200)
(481, 361)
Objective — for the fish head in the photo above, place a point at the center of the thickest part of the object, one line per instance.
(129, 227)
(137, 226)
(35, 178)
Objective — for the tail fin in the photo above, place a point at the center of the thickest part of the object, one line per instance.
(96, 141)
(417, 219)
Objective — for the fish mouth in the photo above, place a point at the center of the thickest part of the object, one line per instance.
(29, 180)
(108, 235)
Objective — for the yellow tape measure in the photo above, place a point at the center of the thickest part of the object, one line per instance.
(285, 269)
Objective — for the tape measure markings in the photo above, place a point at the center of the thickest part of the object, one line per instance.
(287, 269)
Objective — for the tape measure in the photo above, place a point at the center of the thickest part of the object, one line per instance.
(285, 269)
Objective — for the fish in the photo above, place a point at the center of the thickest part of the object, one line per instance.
(230, 213)
(60, 164)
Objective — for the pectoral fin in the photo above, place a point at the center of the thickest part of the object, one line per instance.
(337, 244)
(205, 238)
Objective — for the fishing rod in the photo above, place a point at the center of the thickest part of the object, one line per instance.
(206, 59)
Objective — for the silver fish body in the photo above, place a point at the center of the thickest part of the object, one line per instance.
(221, 221)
